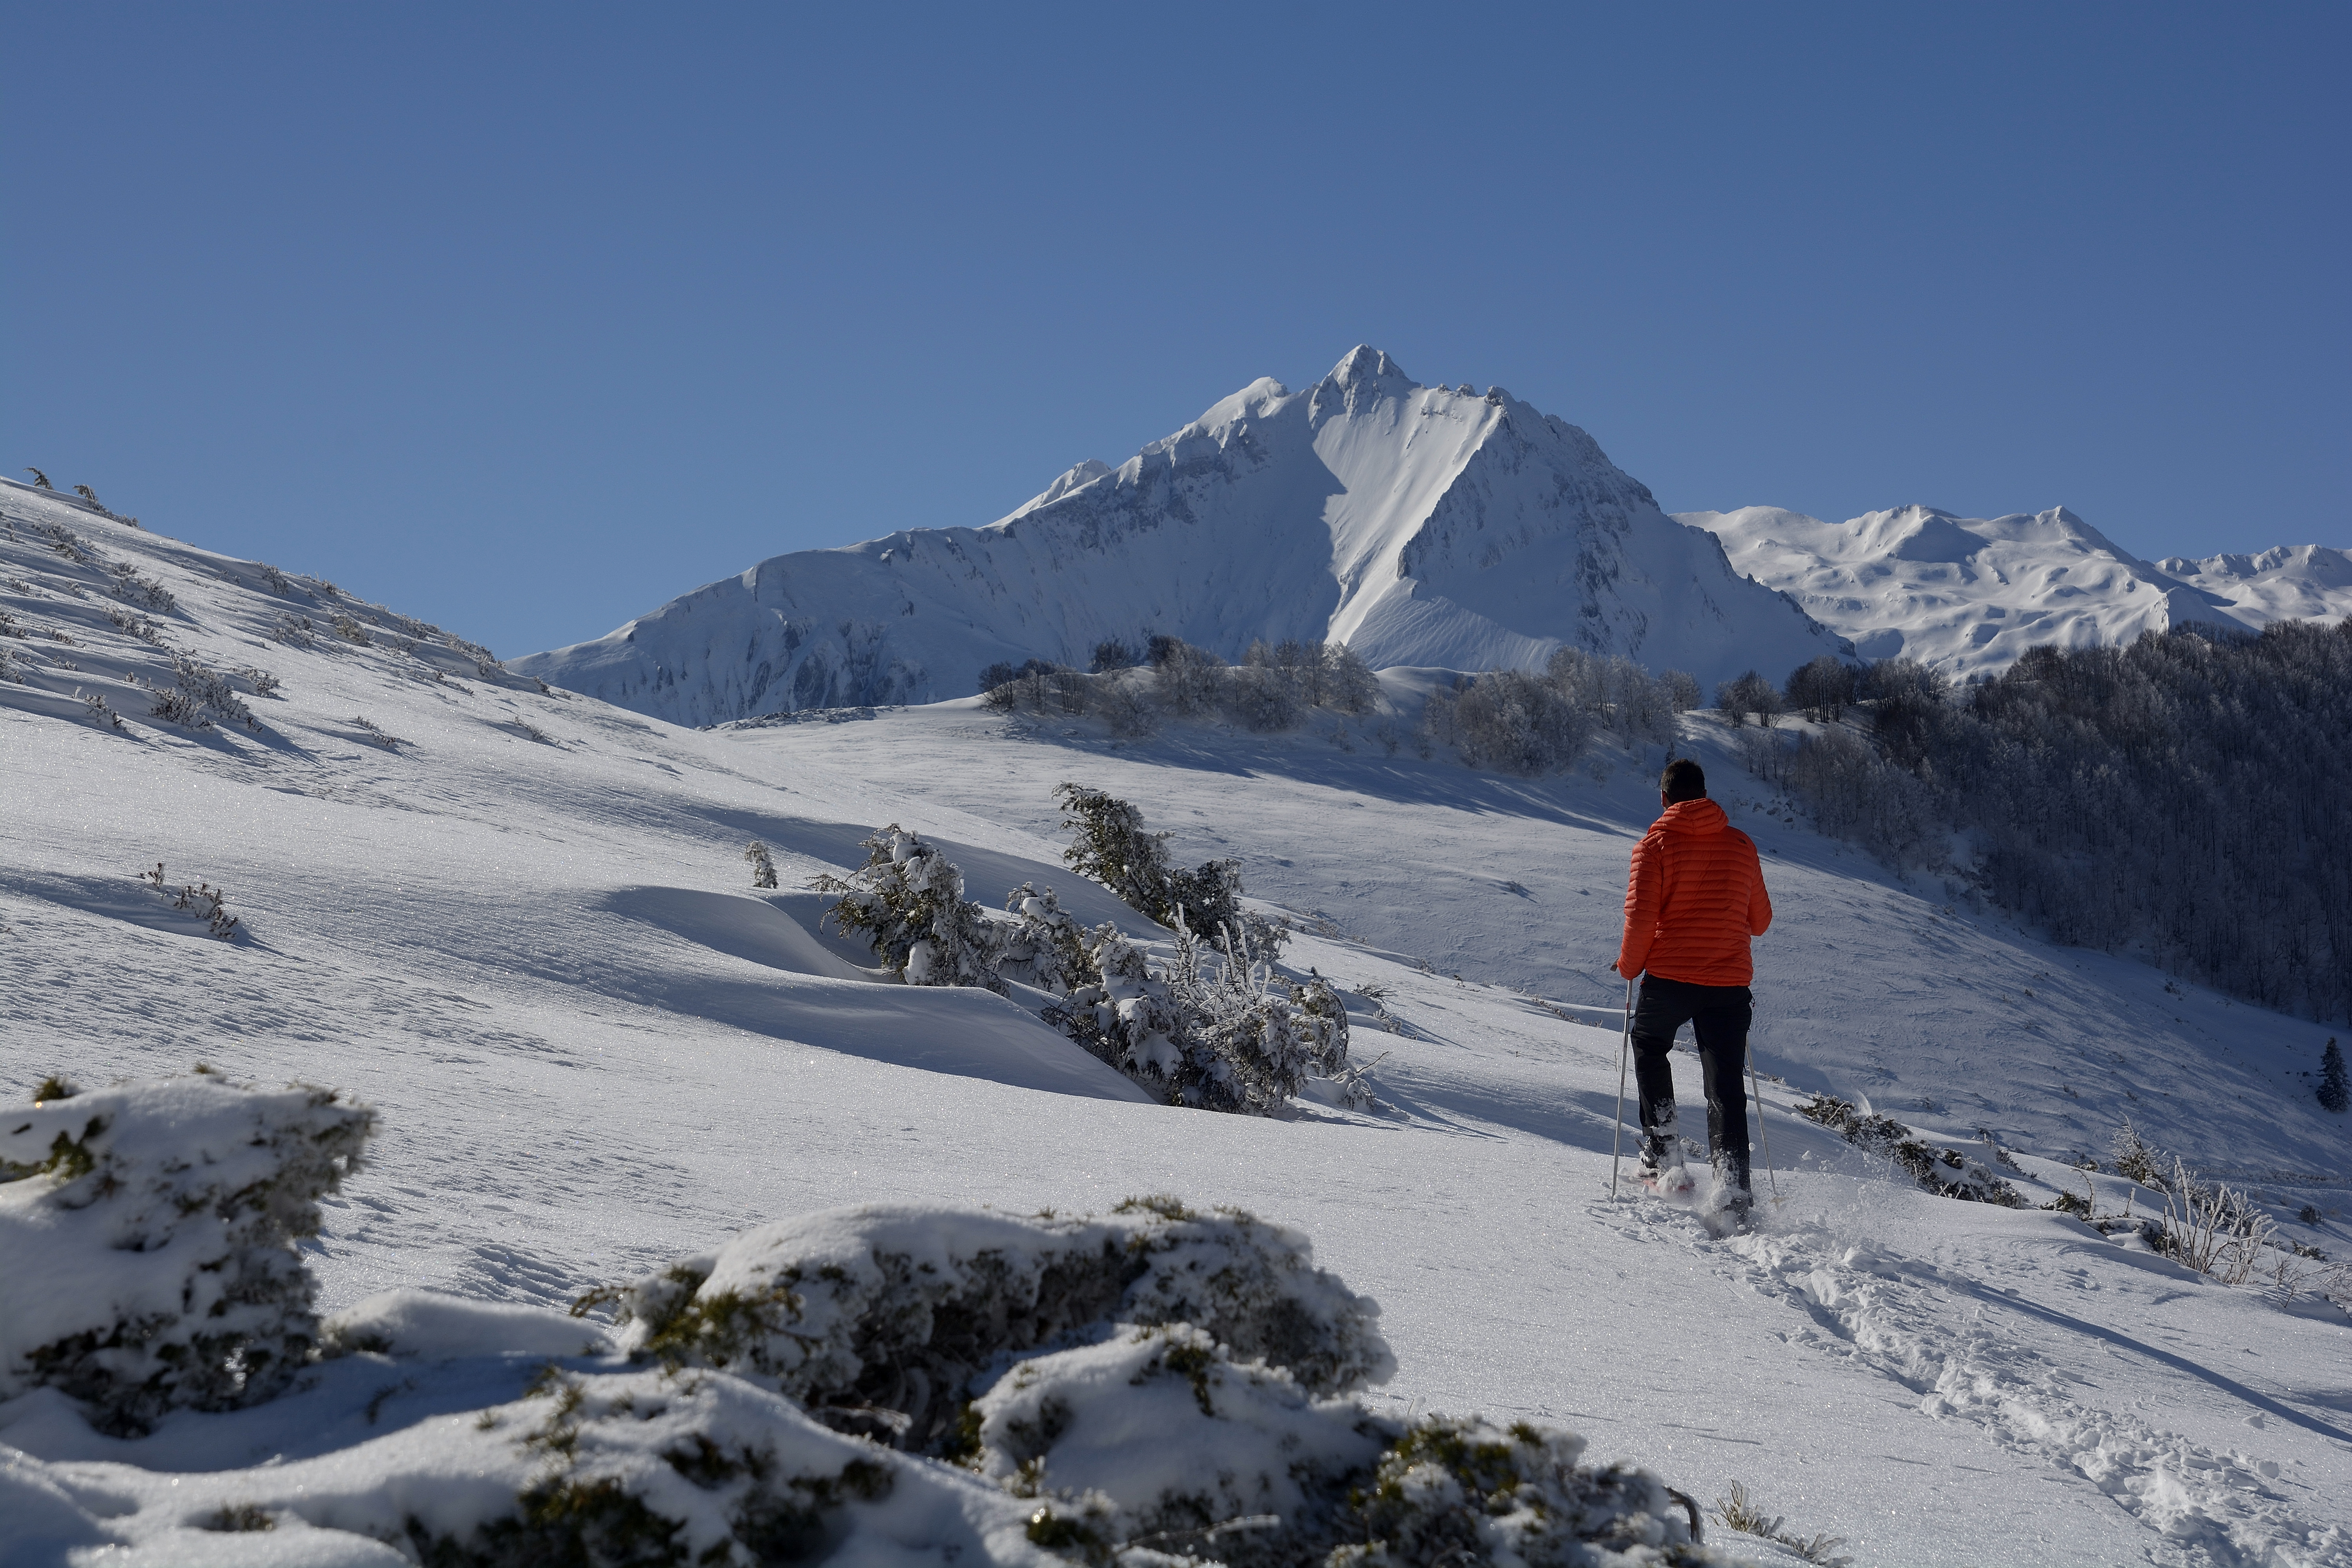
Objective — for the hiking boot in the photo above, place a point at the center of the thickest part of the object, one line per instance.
(1731, 1169)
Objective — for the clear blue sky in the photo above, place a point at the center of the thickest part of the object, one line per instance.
(525, 319)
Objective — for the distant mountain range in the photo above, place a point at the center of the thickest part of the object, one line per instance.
(1967, 593)
(1425, 526)
(1421, 525)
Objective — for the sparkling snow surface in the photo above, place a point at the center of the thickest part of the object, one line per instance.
(1967, 593)
(1420, 525)
(595, 1049)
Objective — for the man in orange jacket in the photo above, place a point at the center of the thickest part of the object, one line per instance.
(1693, 897)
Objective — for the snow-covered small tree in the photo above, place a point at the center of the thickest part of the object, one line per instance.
(1215, 1028)
(2334, 1093)
(1046, 946)
(907, 900)
(1682, 689)
(147, 1240)
(1110, 845)
(763, 865)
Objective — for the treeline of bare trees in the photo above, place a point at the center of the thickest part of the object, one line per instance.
(2189, 795)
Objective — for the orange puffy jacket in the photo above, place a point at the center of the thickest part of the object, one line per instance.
(1695, 895)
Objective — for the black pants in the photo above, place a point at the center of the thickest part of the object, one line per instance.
(1720, 1016)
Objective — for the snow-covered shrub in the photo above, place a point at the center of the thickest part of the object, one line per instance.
(891, 1319)
(1681, 688)
(348, 630)
(276, 580)
(206, 902)
(199, 695)
(2136, 1158)
(1507, 721)
(1946, 1173)
(643, 1470)
(1740, 1511)
(147, 1232)
(2212, 1228)
(1231, 1037)
(377, 735)
(1262, 697)
(1159, 1437)
(1186, 681)
(1046, 946)
(138, 626)
(763, 865)
(264, 684)
(294, 631)
(93, 704)
(907, 900)
(1110, 845)
(1111, 654)
(132, 588)
(1469, 1491)
(2335, 1094)
(1125, 707)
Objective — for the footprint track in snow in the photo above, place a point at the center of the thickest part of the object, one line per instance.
(1897, 1317)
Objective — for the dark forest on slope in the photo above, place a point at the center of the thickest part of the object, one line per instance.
(2187, 796)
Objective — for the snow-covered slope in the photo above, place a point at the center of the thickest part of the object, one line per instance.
(1420, 525)
(519, 923)
(1962, 594)
(2293, 581)
(1968, 593)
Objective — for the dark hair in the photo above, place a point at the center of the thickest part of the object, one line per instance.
(1683, 780)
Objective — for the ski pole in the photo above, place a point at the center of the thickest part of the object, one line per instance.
(1617, 1127)
(1757, 1096)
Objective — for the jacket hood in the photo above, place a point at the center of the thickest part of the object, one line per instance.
(1693, 817)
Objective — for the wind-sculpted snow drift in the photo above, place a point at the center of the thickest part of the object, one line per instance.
(1966, 594)
(1427, 526)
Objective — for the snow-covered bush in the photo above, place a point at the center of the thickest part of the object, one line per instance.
(147, 1232)
(1508, 720)
(199, 695)
(644, 1470)
(1186, 681)
(892, 1318)
(1045, 947)
(1469, 1491)
(133, 589)
(1109, 845)
(1946, 1173)
(202, 900)
(1681, 688)
(907, 900)
(763, 865)
(2335, 1093)
(1231, 1036)
(1161, 1438)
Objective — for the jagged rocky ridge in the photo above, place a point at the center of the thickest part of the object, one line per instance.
(1423, 526)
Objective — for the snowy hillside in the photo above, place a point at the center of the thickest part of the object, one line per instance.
(2299, 582)
(519, 923)
(1965, 594)
(1429, 526)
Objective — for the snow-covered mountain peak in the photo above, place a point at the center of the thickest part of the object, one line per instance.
(1969, 594)
(1422, 526)
(1071, 479)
